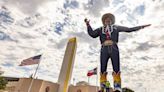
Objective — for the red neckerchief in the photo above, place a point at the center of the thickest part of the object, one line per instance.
(107, 34)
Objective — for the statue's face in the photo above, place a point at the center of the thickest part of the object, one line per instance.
(107, 21)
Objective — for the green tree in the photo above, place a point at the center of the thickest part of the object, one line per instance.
(3, 83)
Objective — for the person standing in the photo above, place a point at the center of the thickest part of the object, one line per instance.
(109, 35)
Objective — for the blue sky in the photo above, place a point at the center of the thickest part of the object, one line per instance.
(44, 26)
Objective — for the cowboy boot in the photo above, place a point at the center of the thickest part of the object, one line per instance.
(103, 79)
(107, 86)
(117, 82)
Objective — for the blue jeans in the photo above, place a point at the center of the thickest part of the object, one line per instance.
(111, 52)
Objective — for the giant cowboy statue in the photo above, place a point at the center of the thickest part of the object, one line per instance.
(108, 35)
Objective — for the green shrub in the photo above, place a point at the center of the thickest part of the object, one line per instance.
(3, 83)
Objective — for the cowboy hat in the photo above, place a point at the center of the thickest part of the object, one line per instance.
(108, 15)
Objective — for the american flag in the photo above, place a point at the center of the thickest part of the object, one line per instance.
(31, 60)
(92, 72)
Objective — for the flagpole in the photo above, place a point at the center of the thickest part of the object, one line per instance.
(88, 79)
(73, 81)
(96, 80)
(29, 89)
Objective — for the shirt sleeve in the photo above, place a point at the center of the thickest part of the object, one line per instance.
(93, 33)
(127, 29)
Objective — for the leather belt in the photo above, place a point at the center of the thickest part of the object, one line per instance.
(107, 43)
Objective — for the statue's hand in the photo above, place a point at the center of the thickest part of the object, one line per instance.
(86, 21)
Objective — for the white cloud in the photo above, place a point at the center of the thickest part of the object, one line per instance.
(94, 7)
(27, 7)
